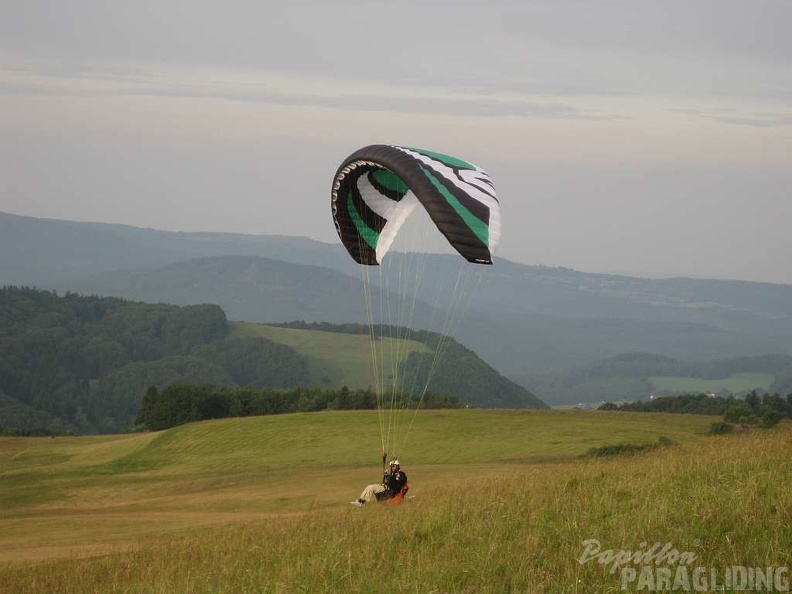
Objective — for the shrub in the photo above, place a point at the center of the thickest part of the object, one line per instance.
(741, 413)
(770, 417)
(628, 448)
(721, 428)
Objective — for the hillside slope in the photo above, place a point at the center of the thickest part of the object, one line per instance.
(423, 359)
(85, 362)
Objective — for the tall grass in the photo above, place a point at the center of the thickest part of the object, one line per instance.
(725, 499)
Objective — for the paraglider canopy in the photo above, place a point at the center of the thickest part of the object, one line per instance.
(377, 187)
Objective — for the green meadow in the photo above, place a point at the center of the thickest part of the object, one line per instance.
(501, 501)
(335, 359)
(736, 384)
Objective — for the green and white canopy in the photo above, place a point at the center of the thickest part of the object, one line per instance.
(377, 187)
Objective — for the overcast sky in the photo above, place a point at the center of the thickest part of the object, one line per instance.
(638, 137)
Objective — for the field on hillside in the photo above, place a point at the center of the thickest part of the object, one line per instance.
(736, 384)
(334, 359)
(502, 502)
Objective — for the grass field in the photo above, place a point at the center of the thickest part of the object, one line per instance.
(502, 502)
(334, 359)
(736, 384)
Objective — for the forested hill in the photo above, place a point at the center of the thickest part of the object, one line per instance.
(81, 364)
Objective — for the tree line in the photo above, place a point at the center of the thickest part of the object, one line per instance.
(704, 404)
(185, 403)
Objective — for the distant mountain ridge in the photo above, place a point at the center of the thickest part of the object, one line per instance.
(42, 251)
(249, 288)
(523, 319)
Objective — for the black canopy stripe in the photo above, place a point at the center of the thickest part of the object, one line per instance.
(382, 189)
(483, 185)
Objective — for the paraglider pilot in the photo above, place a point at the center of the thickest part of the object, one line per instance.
(393, 486)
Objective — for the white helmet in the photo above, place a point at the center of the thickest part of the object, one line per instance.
(394, 462)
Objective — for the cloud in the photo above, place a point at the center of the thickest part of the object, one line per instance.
(740, 118)
(257, 87)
